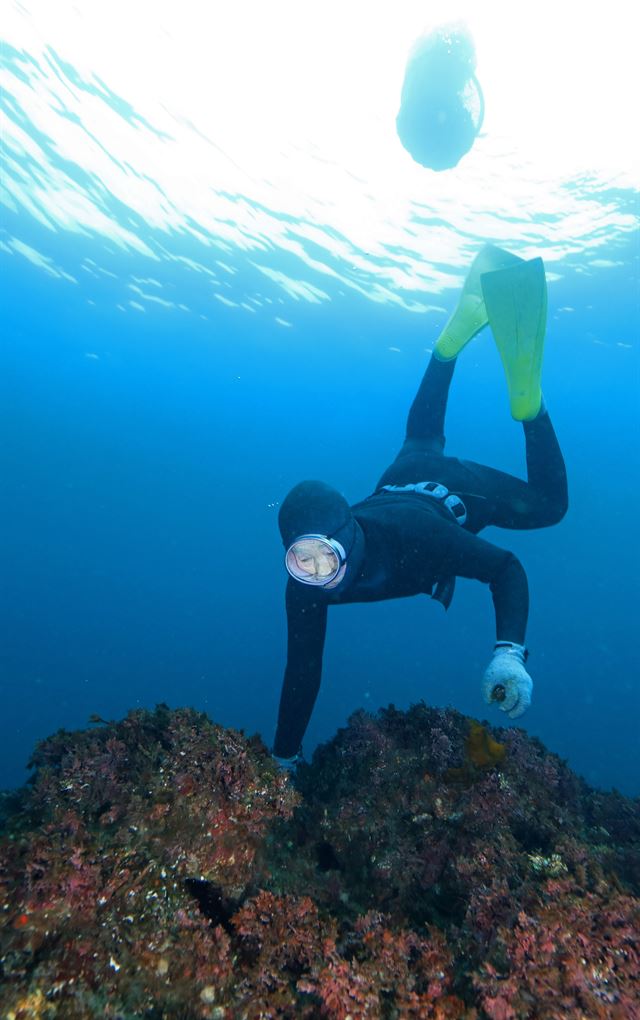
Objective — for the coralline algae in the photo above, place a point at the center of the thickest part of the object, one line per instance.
(421, 866)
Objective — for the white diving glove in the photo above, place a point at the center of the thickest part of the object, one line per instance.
(506, 682)
(288, 764)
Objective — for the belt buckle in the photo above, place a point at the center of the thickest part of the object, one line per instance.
(434, 489)
(455, 506)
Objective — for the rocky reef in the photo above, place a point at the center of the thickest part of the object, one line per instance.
(421, 866)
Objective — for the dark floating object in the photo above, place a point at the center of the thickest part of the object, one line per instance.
(442, 106)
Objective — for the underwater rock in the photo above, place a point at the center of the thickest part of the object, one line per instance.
(421, 866)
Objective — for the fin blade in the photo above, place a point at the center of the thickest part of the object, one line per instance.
(470, 315)
(516, 303)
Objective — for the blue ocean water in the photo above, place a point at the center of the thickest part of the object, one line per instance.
(204, 302)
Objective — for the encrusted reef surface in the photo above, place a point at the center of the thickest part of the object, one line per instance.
(422, 866)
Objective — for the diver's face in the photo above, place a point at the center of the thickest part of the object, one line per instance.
(314, 559)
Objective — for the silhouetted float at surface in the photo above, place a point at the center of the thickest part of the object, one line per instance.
(442, 106)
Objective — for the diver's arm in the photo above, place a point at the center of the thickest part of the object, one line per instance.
(506, 682)
(307, 625)
(465, 555)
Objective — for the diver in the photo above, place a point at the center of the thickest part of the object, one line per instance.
(418, 530)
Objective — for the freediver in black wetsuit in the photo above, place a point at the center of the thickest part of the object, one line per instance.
(418, 531)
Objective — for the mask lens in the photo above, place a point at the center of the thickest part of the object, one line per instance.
(313, 560)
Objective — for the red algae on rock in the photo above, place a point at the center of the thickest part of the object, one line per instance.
(162, 867)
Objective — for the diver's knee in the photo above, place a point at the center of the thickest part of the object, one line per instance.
(562, 510)
(556, 510)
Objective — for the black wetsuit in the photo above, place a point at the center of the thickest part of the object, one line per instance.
(414, 545)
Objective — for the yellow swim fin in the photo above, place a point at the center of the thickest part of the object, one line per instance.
(516, 303)
(470, 314)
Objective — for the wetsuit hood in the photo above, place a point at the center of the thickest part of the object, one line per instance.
(315, 508)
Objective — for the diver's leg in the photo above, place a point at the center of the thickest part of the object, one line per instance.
(422, 451)
(546, 472)
(425, 423)
(425, 439)
(516, 303)
(500, 499)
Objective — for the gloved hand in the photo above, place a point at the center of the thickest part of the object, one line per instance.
(506, 682)
(288, 764)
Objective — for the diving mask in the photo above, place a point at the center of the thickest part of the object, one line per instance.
(316, 560)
